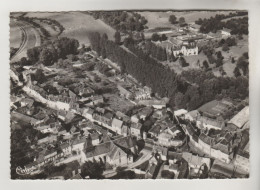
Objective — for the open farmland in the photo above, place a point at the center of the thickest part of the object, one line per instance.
(15, 35)
(76, 24)
(158, 19)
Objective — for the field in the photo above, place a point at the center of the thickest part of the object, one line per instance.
(76, 24)
(159, 19)
(234, 51)
(192, 60)
(15, 35)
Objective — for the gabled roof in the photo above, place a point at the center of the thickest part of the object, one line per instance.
(114, 152)
(79, 141)
(195, 160)
(117, 123)
(241, 118)
(126, 142)
(100, 149)
(206, 139)
(136, 125)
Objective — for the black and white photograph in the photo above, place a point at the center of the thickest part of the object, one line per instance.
(140, 94)
(129, 94)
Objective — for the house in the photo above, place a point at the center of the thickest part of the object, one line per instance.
(62, 114)
(88, 113)
(145, 113)
(142, 95)
(180, 112)
(134, 119)
(240, 119)
(117, 125)
(194, 27)
(86, 92)
(124, 92)
(162, 151)
(212, 114)
(173, 157)
(226, 32)
(156, 104)
(94, 138)
(150, 173)
(126, 143)
(66, 148)
(242, 161)
(125, 130)
(196, 162)
(113, 152)
(167, 140)
(117, 156)
(48, 139)
(184, 50)
(155, 130)
(26, 102)
(174, 168)
(77, 145)
(16, 116)
(135, 129)
(123, 117)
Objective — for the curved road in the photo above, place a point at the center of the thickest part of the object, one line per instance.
(30, 39)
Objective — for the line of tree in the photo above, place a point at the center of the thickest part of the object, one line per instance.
(31, 21)
(242, 63)
(50, 22)
(155, 51)
(236, 25)
(189, 90)
(156, 37)
(50, 52)
(121, 20)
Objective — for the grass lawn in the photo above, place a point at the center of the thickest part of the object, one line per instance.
(192, 60)
(234, 51)
(77, 24)
(160, 18)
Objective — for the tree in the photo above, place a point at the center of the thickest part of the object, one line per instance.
(38, 76)
(117, 37)
(225, 47)
(205, 64)
(233, 60)
(47, 57)
(181, 20)
(172, 19)
(237, 72)
(33, 54)
(164, 37)
(93, 169)
(167, 174)
(183, 62)
(155, 37)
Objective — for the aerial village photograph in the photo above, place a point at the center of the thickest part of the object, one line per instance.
(129, 94)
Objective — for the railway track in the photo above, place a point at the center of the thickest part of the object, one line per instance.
(24, 41)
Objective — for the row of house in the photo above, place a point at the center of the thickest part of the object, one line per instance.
(221, 150)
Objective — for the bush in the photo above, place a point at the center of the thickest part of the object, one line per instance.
(167, 174)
